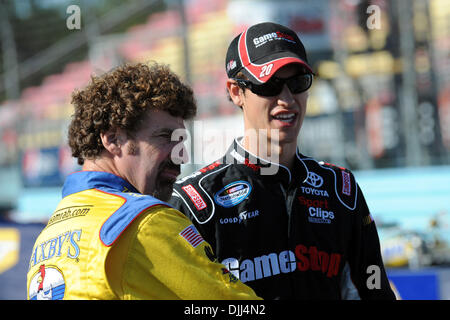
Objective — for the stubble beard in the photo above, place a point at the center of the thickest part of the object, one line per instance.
(163, 187)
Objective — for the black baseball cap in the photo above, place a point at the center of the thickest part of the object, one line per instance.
(262, 49)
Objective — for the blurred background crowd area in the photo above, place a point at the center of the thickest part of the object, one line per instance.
(379, 104)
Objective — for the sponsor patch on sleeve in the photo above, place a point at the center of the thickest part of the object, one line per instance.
(367, 220)
(192, 236)
(195, 197)
(346, 184)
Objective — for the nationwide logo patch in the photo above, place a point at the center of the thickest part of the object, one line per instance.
(233, 194)
(191, 235)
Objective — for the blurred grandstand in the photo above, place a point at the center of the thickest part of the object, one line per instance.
(380, 104)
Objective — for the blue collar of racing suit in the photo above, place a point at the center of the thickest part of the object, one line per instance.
(83, 180)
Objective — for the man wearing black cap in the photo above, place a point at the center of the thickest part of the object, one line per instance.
(287, 225)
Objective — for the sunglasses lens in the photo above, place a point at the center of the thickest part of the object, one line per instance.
(299, 83)
(268, 89)
(273, 87)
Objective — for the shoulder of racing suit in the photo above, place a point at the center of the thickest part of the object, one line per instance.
(194, 191)
(118, 203)
(338, 181)
(134, 205)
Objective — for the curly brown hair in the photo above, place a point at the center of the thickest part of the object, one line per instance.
(120, 99)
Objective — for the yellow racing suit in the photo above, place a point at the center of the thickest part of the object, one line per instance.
(107, 241)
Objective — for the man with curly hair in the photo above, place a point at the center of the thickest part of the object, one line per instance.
(112, 236)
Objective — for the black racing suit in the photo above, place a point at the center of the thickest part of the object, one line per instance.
(300, 234)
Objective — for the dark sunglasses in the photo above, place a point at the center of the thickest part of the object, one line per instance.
(296, 84)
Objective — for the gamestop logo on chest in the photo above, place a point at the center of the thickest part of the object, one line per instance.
(301, 259)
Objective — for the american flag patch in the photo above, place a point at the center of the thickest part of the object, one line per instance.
(191, 235)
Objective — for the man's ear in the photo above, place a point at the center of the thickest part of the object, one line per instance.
(113, 140)
(236, 93)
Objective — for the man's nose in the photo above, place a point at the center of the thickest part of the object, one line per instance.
(286, 98)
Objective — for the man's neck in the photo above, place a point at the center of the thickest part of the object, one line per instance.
(275, 152)
(100, 164)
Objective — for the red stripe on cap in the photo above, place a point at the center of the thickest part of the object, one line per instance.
(263, 72)
(243, 55)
